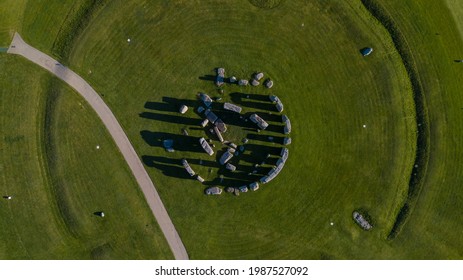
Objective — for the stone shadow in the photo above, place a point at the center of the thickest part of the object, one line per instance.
(170, 118)
(160, 106)
(181, 142)
(169, 167)
(274, 117)
(266, 138)
(242, 100)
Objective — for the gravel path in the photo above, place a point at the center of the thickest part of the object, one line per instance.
(18, 46)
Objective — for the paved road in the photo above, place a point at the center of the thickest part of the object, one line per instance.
(18, 46)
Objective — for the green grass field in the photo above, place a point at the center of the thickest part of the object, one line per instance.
(329, 91)
(335, 166)
(12, 14)
(58, 179)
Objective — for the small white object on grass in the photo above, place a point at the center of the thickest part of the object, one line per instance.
(364, 126)
(332, 223)
(98, 147)
(302, 25)
(128, 40)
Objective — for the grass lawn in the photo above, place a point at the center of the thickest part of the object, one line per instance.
(353, 119)
(311, 51)
(58, 179)
(11, 19)
(436, 42)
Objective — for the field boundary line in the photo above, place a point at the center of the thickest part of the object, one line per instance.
(19, 47)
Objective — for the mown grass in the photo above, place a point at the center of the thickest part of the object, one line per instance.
(311, 51)
(434, 37)
(58, 179)
(422, 143)
(11, 19)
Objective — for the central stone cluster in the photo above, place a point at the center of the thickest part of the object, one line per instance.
(217, 116)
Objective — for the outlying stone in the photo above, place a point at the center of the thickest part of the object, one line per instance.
(361, 221)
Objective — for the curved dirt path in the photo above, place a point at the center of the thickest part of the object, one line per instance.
(18, 46)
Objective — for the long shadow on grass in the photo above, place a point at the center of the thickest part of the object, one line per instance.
(266, 138)
(238, 96)
(181, 142)
(242, 100)
(169, 167)
(170, 118)
(160, 106)
(210, 78)
(179, 102)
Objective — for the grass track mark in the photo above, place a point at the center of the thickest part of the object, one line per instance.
(73, 27)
